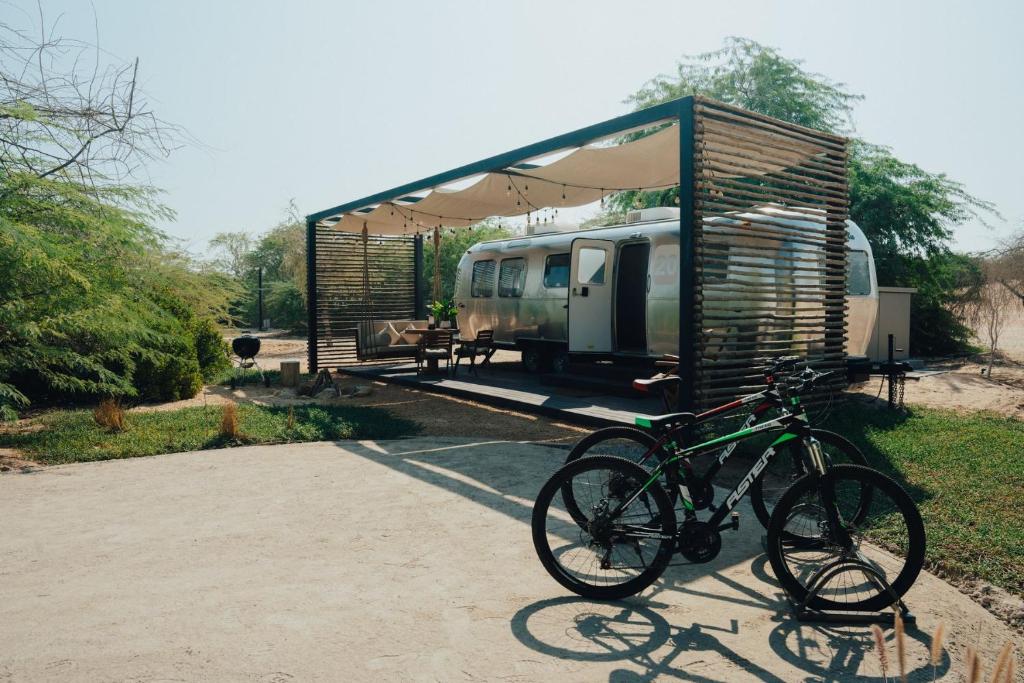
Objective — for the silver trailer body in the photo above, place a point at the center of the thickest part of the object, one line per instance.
(614, 291)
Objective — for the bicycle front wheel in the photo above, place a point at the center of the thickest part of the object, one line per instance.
(624, 539)
(787, 466)
(843, 553)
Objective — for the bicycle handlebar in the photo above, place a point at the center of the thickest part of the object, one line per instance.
(807, 381)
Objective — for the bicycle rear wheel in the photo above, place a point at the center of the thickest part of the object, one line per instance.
(603, 555)
(886, 540)
(622, 442)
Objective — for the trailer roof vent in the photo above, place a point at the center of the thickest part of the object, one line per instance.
(657, 213)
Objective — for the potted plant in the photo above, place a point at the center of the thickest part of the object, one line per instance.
(436, 313)
(451, 312)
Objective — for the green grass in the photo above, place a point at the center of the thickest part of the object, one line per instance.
(72, 435)
(966, 473)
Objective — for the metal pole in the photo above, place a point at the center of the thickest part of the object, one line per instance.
(417, 275)
(687, 245)
(259, 296)
(437, 264)
(311, 319)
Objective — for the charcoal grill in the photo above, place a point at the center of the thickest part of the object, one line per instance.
(246, 347)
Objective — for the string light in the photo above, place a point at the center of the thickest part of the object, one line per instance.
(563, 193)
(602, 197)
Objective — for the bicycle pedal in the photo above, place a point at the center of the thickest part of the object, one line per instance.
(733, 524)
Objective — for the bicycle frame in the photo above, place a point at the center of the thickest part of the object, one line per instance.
(792, 425)
(769, 399)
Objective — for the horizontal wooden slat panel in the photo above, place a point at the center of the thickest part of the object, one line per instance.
(348, 293)
(771, 203)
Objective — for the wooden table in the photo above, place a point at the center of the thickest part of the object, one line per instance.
(432, 363)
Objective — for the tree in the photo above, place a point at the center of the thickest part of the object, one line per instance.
(1008, 266)
(906, 212)
(95, 301)
(453, 245)
(234, 252)
(281, 255)
(990, 309)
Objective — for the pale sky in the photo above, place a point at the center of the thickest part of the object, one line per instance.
(326, 102)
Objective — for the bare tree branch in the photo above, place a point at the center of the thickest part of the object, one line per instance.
(64, 113)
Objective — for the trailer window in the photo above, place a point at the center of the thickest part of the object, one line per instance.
(556, 270)
(591, 266)
(512, 277)
(483, 279)
(858, 281)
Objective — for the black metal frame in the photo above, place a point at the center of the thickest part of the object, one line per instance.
(691, 114)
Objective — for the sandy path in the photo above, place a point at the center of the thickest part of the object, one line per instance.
(403, 560)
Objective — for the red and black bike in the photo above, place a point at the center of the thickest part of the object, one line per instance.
(640, 446)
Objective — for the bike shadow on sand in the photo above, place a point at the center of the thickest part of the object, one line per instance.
(636, 633)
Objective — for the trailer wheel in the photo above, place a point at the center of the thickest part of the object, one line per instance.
(560, 362)
(533, 360)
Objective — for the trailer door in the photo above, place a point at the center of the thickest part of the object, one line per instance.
(590, 296)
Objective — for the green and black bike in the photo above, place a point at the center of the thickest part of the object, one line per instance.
(621, 531)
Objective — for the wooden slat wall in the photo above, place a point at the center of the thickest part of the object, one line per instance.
(764, 286)
(340, 289)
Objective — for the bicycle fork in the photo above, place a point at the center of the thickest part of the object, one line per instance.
(827, 492)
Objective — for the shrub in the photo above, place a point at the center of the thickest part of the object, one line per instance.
(168, 370)
(211, 349)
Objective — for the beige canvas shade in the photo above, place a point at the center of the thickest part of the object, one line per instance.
(583, 176)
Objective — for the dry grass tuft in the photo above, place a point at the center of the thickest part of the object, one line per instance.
(936, 649)
(973, 665)
(229, 428)
(110, 415)
(1003, 662)
(901, 647)
(883, 656)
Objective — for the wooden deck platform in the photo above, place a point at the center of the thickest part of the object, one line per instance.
(517, 390)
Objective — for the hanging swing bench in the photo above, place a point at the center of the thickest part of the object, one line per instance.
(383, 339)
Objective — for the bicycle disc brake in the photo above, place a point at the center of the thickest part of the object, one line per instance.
(698, 541)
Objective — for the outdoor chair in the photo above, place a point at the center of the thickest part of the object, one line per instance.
(483, 346)
(433, 347)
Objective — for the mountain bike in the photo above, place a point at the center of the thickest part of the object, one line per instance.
(623, 530)
(644, 448)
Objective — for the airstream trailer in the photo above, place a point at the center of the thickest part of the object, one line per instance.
(613, 292)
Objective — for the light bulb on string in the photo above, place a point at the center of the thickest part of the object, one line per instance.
(563, 193)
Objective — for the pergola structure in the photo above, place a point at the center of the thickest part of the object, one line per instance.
(736, 171)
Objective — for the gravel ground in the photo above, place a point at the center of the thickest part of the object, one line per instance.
(391, 560)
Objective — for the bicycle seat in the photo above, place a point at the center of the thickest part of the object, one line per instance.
(662, 422)
(655, 383)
